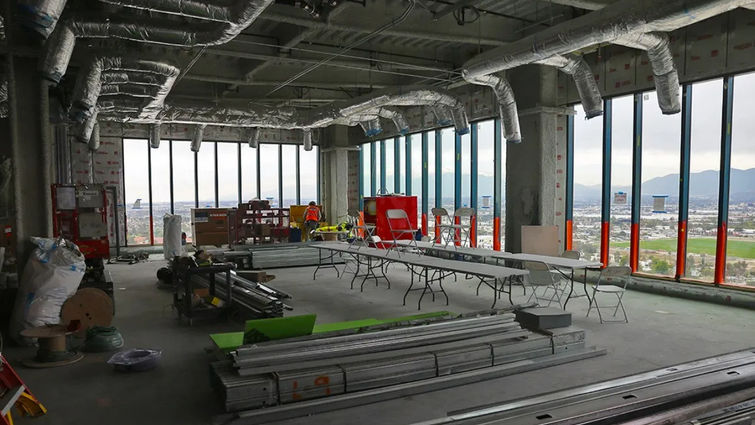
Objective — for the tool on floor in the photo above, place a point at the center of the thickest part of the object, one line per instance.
(53, 346)
(13, 392)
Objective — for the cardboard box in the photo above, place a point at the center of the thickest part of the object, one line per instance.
(214, 238)
(262, 229)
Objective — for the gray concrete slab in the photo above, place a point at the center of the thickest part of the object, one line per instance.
(662, 331)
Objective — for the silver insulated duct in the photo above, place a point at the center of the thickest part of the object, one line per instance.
(664, 71)
(154, 136)
(94, 139)
(506, 105)
(371, 127)
(584, 79)
(40, 15)
(196, 138)
(254, 137)
(307, 139)
(61, 43)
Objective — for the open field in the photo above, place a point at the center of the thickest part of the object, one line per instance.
(735, 247)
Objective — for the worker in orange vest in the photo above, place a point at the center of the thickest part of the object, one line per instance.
(312, 217)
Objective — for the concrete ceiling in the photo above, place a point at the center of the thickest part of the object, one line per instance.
(289, 57)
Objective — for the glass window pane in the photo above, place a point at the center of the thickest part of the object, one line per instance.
(160, 188)
(206, 175)
(183, 184)
(366, 173)
(378, 167)
(588, 162)
(621, 180)
(430, 180)
(228, 174)
(402, 166)
(415, 145)
(740, 246)
(661, 135)
(289, 175)
(136, 182)
(269, 173)
(485, 182)
(389, 169)
(308, 173)
(705, 156)
(466, 169)
(447, 148)
(248, 173)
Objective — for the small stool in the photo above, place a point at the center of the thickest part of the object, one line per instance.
(53, 348)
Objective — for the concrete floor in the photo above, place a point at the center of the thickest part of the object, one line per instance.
(662, 331)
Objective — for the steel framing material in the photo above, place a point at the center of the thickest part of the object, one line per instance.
(361, 178)
(605, 204)
(630, 398)
(298, 174)
(634, 242)
(373, 169)
(149, 177)
(473, 159)
(196, 179)
(684, 160)
(239, 180)
(280, 176)
(382, 166)
(719, 275)
(170, 167)
(438, 179)
(217, 190)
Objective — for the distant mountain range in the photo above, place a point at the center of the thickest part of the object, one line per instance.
(702, 185)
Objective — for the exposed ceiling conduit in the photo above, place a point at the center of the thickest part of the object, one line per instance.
(154, 136)
(371, 127)
(128, 90)
(664, 71)
(134, 78)
(63, 40)
(398, 118)
(196, 138)
(584, 79)
(618, 21)
(506, 104)
(40, 15)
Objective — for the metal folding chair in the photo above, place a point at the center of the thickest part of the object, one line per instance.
(461, 233)
(540, 276)
(572, 254)
(363, 231)
(399, 227)
(446, 227)
(612, 280)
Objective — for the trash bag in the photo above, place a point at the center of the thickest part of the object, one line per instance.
(135, 360)
(51, 276)
(172, 236)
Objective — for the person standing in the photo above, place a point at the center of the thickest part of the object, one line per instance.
(312, 217)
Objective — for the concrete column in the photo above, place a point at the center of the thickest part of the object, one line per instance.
(31, 152)
(531, 166)
(338, 173)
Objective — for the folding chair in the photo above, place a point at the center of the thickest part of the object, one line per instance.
(462, 237)
(540, 276)
(612, 280)
(446, 227)
(399, 227)
(572, 254)
(363, 231)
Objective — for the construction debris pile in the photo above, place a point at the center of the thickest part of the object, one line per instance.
(334, 369)
(258, 299)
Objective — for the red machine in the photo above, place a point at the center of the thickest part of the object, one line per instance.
(80, 215)
(375, 208)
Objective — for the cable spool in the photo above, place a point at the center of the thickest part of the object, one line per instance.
(53, 348)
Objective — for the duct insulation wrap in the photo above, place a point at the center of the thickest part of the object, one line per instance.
(254, 137)
(83, 131)
(443, 116)
(61, 43)
(89, 84)
(584, 79)
(133, 78)
(613, 22)
(661, 59)
(40, 15)
(94, 139)
(459, 118)
(196, 138)
(506, 104)
(154, 136)
(398, 118)
(3, 90)
(184, 8)
(371, 127)
(307, 139)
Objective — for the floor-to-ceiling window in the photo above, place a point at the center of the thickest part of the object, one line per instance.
(705, 155)
(160, 188)
(661, 136)
(378, 168)
(269, 173)
(485, 182)
(621, 179)
(248, 173)
(401, 188)
(430, 181)
(740, 246)
(415, 145)
(206, 175)
(289, 175)
(588, 161)
(183, 184)
(366, 170)
(228, 174)
(308, 174)
(466, 169)
(389, 169)
(447, 170)
(136, 182)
